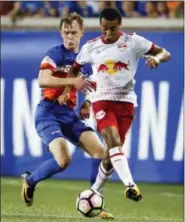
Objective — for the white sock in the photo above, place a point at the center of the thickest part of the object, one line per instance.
(102, 177)
(120, 164)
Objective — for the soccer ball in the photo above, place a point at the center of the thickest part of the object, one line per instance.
(89, 203)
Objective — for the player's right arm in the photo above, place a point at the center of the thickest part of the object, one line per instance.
(48, 67)
(47, 80)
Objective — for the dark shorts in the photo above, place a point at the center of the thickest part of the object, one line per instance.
(53, 120)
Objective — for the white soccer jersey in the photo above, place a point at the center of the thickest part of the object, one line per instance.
(114, 66)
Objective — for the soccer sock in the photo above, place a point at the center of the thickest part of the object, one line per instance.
(44, 171)
(120, 164)
(102, 177)
(94, 170)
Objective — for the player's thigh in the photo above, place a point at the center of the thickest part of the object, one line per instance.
(104, 115)
(90, 142)
(80, 133)
(48, 130)
(126, 117)
(107, 123)
(52, 136)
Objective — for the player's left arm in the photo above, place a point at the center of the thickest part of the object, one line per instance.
(156, 55)
(152, 53)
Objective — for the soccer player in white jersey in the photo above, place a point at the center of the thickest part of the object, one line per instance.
(114, 58)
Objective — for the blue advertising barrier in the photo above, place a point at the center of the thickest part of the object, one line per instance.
(154, 144)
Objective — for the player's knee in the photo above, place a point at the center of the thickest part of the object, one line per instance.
(60, 151)
(64, 161)
(111, 137)
(99, 154)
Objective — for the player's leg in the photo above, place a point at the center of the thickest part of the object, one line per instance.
(95, 163)
(104, 172)
(126, 115)
(109, 128)
(52, 137)
(81, 134)
(89, 142)
(105, 169)
(94, 170)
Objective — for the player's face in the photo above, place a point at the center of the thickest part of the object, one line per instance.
(110, 30)
(71, 35)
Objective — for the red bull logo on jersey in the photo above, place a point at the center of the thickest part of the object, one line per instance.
(111, 67)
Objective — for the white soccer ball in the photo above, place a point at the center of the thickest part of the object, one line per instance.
(89, 203)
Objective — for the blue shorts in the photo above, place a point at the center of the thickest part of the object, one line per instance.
(53, 120)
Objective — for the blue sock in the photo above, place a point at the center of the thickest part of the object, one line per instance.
(94, 170)
(47, 169)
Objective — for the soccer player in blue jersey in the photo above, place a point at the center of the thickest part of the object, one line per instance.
(55, 122)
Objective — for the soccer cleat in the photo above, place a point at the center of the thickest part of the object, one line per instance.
(27, 191)
(106, 215)
(133, 193)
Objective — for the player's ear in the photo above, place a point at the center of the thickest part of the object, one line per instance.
(82, 31)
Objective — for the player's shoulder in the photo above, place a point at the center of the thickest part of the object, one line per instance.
(55, 49)
(131, 37)
(134, 35)
(92, 42)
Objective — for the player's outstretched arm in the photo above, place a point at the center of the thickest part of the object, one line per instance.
(156, 56)
(46, 80)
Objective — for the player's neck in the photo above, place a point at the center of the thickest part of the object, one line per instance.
(105, 41)
(76, 50)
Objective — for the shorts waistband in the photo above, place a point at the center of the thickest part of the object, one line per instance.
(52, 101)
(55, 102)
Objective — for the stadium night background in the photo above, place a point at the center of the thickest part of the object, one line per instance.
(154, 144)
(155, 139)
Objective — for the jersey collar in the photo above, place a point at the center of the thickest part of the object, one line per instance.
(105, 42)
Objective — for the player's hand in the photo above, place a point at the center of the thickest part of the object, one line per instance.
(85, 110)
(79, 82)
(90, 86)
(151, 61)
(63, 98)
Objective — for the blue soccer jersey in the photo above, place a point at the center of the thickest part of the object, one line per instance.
(59, 60)
(53, 120)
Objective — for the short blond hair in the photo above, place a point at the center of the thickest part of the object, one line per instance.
(72, 17)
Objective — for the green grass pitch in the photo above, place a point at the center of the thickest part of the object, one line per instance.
(55, 202)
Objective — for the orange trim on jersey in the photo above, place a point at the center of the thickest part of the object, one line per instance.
(47, 66)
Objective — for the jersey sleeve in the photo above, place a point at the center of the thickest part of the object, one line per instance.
(84, 56)
(50, 60)
(142, 45)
